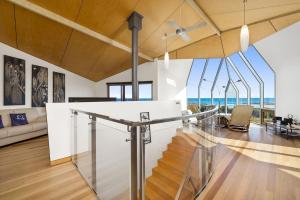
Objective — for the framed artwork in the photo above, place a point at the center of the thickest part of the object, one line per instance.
(39, 88)
(14, 81)
(144, 117)
(58, 87)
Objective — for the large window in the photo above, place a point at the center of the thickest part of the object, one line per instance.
(122, 91)
(241, 78)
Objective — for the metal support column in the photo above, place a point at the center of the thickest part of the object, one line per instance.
(135, 24)
(94, 148)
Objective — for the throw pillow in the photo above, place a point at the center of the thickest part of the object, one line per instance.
(1, 123)
(18, 119)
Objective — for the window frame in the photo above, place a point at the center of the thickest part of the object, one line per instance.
(123, 84)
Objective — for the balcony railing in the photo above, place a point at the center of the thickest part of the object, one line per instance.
(173, 158)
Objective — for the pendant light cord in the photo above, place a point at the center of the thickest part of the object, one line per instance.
(245, 1)
(166, 42)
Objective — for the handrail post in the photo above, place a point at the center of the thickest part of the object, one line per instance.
(94, 157)
(142, 164)
(133, 150)
(74, 153)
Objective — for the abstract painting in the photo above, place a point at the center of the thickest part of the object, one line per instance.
(58, 87)
(39, 96)
(14, 81)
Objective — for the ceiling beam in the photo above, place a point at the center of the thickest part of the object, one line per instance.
(204, 16)
(71, 24)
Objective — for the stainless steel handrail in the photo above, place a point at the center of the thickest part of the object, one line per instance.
(138, 123)
(132, 126)
(120, 121)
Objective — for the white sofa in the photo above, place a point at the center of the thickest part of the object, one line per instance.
(37, 125)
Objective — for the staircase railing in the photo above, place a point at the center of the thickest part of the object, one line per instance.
(101, 154)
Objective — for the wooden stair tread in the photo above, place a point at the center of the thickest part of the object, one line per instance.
(180, 148)
(151, 194)
(161, 187)
(170, 164)
(169, 175)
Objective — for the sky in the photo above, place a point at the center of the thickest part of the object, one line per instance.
(145, 91)
(256, 60)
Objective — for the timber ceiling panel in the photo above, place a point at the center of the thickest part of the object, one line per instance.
(7, 24)
(231, 39)
(40, 36)
(185, 16)
(282, 22)
(96, 60)
(207, 48)
(82, 53)
(66, 8)
(110, 59)
(228, 14)
(106, 17)
(155, 13)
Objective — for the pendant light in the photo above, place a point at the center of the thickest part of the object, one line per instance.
(244, 35)
(166, 58)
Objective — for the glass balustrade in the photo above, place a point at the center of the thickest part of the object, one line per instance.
(170, 158)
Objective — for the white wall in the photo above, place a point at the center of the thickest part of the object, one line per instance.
(76, 86)
(282, 52)
(169, 83)
(146, 72)
(172, 80)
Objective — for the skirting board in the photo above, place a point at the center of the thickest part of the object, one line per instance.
(60, 161)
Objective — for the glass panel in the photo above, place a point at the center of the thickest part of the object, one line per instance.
(145, 92)
(205, 89)
(113, 161)
(192, 84)
(219, 90)
(231, 98)
(179, 154)
(250, 79)
(81, 151)
(266, 73)
(102, 156)
(128, 92)
(240, 86)
(115, 92)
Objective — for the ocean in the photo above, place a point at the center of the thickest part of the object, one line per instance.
(269, 102)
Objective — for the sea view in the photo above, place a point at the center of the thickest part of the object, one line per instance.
(269, 102)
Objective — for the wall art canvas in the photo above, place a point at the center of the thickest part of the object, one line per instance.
(39, 89)
(58, 87)
(14, 81)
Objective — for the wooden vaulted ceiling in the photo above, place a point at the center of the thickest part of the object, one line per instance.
(95, 60)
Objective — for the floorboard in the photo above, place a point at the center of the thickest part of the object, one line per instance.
(255, 165)
(25, 173)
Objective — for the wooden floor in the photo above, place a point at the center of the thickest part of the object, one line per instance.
(25, 173)
(255, 165)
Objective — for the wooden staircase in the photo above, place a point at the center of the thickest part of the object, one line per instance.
(167, 176)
